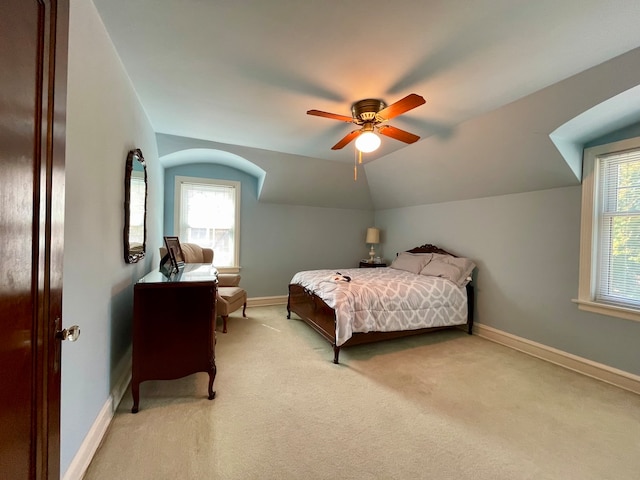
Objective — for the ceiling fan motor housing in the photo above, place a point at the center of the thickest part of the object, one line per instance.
(366, 110)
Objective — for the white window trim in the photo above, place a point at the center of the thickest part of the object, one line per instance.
(211, 181)
(587, 275)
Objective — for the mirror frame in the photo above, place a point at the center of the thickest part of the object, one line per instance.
(131, 256)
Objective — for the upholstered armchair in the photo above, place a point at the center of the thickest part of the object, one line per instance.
(230, 296)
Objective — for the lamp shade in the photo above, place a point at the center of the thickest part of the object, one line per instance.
(367, 142)
(373, 235)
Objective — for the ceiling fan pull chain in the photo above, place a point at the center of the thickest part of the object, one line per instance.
(355, 164)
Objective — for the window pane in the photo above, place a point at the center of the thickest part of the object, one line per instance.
(207, 218)
(619, 239)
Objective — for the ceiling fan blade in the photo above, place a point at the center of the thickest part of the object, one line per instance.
(409, 102)
(334, 116)
(349, 137)
(398, 134)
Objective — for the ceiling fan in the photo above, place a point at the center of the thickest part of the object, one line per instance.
(371, 114)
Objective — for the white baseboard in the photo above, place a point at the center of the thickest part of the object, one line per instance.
(122, 374)
(91, 442)
(267, 301)
(613, 376)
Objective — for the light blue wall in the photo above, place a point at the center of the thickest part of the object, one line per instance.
(526, 247)
(622, 134)
(104, 121)
(278, 240)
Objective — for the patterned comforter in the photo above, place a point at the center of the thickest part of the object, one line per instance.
(386, 300)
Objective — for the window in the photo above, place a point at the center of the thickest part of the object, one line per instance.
(207, 212)
(610, 233)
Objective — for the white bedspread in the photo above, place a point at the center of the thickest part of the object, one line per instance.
(386, 299)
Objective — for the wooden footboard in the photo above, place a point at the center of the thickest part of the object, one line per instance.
(315, 312)
(322, 318)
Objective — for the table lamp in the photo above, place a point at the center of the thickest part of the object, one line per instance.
(373, 238)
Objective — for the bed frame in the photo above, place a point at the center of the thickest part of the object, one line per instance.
(322, 318)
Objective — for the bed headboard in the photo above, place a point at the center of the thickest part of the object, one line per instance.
(428, 248)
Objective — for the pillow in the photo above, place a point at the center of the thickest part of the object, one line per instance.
(456, 269)
(411, 262)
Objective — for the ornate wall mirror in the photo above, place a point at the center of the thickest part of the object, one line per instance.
(135, 207)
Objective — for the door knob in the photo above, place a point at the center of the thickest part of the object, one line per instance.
(71, 333)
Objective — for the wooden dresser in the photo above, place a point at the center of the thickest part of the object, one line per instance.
(174, 326)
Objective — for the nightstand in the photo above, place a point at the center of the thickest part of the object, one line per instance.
(365, 264)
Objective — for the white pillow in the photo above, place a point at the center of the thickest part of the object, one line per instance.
(411, 262)
(456, 269)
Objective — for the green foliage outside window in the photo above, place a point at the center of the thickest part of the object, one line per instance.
(623, 218)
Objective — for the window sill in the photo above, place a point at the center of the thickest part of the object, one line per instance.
(610, 310)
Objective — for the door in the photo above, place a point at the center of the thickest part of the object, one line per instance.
(33, 63)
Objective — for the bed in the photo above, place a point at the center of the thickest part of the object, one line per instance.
(424, 289)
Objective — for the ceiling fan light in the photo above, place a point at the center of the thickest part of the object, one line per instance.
(367, 142)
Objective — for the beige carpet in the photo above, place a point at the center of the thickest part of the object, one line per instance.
(439, 406)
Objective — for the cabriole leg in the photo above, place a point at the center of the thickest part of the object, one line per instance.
(336, 353)
(135, 391)
(212, 376)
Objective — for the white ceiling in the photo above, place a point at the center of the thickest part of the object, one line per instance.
(245, 72)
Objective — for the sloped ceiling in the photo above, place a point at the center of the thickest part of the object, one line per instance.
(511, 149)
(281, 177)
(499, 76)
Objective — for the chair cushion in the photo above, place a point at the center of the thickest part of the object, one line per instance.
(232, 294)
(230, 299)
